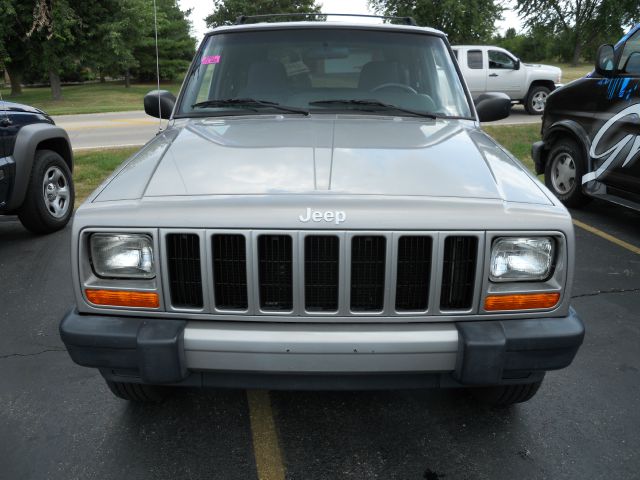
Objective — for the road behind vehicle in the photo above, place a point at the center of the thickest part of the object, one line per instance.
(590, 144)
(323, 212)
(494, 69)
(36, 163)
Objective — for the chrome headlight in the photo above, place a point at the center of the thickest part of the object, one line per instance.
(122, 255)
(521, 259)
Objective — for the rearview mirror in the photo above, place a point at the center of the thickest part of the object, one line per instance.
(493, 106)
(516, 65)
(159, 103)
(605, 60)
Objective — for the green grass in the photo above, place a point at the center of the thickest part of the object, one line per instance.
(570, 73)
(517, 139)
(88, 98)
(91, 167)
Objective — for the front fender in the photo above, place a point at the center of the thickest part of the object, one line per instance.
(27, 141)
(568, 128)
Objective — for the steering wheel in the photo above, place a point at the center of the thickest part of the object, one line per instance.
(399, 86)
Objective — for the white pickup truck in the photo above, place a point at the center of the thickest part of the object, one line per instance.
(494, 69)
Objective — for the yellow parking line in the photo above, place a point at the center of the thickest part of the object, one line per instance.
(265, 439)
(606, 236)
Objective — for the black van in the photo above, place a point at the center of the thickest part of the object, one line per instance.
(591, 131)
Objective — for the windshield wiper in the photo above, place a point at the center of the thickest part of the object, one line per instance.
(375, 105)
(249, 103)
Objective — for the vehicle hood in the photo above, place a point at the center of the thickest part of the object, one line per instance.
(19, 107)
(345, 155)
(543, 69)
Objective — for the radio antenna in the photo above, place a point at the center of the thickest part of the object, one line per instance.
(155, 26)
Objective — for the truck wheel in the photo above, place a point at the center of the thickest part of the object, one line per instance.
(536, 100)
(136, 392)
(563, 172)
(505, 395)
(48, 203)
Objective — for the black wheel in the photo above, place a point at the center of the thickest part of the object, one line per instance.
(536, 100)
(48, 203)
(563, 172)
(505, 395)
(136, 392)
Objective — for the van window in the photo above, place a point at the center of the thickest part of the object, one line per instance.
(630, 60)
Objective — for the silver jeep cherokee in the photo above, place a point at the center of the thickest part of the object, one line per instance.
(323, 212)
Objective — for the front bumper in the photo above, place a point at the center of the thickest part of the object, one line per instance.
(248, 355)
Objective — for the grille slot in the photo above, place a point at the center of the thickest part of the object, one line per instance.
(275, 272)
(185, 278)
(459, 271)
(414, 273)
(321, 272)
(368, 255)
(230, 272)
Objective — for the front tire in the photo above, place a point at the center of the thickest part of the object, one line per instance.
(506, 395)
(48, 203)
(137, 392)
(563, 172)
(537, 100)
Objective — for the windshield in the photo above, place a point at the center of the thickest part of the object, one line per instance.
(324, 70)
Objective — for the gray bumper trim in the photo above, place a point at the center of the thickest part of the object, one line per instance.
(210, 353)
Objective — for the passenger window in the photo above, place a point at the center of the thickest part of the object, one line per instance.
(500, 61)
(474, 59)
(630, 60)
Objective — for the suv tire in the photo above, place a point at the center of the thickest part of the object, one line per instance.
(48, 203)
(136, 392)
(563, 172)
(536, 100)
(506, 395)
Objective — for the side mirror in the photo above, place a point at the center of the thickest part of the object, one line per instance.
(516, 66)
(159, 103)
(493, 106)
(605, 60)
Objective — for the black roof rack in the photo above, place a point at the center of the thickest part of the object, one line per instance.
(242, 19)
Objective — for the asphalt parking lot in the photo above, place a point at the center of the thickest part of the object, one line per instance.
(59, 421)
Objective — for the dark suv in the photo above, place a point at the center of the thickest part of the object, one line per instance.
(591, 131)
(36, 162)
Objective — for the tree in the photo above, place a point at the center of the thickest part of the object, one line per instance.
(126, 25)
(464, 21)
(54, 29)
(14, 45)
(175, 44)
(226, 11)
(580, 23)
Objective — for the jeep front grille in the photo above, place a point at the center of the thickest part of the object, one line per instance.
(458, 272)
(414, 273)
(368, 259)
(322, 273)
(230, 272)
(185, 279)
(275, 265)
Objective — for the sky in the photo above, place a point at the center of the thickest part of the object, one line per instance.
(202, 8)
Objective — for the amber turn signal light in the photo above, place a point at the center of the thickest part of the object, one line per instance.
(522, 301)
(123, 298)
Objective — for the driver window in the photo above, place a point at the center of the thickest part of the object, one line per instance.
(630, 60)
(500, 61)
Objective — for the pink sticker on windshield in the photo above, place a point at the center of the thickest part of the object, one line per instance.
(209, 59)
